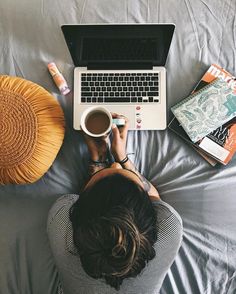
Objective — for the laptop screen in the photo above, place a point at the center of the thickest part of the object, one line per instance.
(108, 45)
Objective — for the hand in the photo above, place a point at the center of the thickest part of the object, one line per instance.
(97, 147)
(118, 145)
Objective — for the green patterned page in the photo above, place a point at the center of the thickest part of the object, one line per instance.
(206, 110)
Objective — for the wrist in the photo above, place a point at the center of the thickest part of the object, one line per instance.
(119, 157)
(124, 160)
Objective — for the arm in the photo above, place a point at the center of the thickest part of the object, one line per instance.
(118, 148)
(152, 191)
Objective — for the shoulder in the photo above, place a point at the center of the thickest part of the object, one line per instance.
(60, 208)
(165, 210)
(169, 227)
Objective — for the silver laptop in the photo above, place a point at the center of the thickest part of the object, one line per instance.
(121, 66)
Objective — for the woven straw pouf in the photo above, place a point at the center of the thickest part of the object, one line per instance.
(31, 130)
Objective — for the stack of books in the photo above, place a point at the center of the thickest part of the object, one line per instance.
(207, 118)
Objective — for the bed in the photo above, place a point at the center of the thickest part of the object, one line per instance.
(204, 196)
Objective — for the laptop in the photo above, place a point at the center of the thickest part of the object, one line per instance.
(121, 67)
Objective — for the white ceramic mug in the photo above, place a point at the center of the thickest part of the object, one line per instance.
(99, 109)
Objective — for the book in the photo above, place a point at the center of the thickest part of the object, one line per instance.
(218, 146)
(207, 109)
(178, 130)
(219, 136)
(221, 143)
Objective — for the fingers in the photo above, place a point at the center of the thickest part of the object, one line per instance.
(116, 115)
(120, 131)
(115, 131)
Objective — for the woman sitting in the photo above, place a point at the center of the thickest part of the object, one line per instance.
(117, 236)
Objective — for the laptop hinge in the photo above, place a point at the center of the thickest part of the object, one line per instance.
(120, 66)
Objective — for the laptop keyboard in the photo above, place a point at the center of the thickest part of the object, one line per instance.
(120, 88)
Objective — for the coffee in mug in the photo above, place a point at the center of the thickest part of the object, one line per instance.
(96, 121)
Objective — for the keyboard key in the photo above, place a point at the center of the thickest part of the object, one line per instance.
(116, 99)
(85, 89)
(83, 99)
(154, 78)
(150, 99)
(100, 99)
(86, 94)
(153, 88)
(152, 94)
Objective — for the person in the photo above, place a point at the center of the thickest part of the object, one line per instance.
(117, 236)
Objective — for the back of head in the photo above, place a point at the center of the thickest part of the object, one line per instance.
(114, 229)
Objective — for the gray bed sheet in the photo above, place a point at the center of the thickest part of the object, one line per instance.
(204, 196)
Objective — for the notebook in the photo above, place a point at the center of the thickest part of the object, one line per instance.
(121, 67)
(207, 109)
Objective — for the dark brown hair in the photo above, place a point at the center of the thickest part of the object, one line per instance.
(114, 229)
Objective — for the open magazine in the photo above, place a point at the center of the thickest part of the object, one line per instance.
(220, 144)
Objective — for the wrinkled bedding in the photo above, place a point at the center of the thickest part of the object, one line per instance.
(204, 196)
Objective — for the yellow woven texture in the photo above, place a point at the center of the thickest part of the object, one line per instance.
(31, 130)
